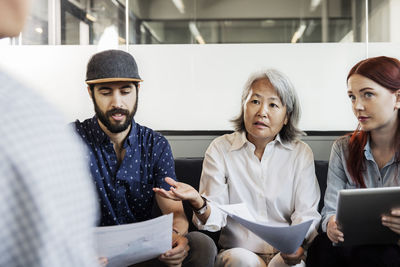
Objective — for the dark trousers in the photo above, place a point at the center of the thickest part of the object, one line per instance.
(202, 253)
(323, 254)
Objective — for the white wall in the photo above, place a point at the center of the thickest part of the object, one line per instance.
(195, 87)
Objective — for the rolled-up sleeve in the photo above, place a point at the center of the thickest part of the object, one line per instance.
(307, 195)
(336, 181)
(214, 188)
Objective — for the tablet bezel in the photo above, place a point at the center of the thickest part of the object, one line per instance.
(359, 215)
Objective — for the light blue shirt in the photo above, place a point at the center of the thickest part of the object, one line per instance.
(47, 200)
(339, 177)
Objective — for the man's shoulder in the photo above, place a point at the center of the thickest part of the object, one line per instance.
(87, 123)
(147, 133)
(83, 127)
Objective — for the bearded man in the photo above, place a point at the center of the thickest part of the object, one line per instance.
(128, 160)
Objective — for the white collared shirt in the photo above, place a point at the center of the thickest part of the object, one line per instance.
(281, 189)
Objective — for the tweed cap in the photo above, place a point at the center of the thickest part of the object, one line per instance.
(112, 66)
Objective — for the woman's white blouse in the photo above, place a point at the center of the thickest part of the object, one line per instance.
(281, 189)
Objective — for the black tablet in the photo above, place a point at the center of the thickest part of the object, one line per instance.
(359, 215)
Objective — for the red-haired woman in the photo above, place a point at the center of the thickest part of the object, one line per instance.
(369, 157)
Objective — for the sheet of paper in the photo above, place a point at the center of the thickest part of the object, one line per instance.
(128, 244)
(286, 239)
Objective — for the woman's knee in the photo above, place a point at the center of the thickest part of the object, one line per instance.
(277, 261)
(239, 257)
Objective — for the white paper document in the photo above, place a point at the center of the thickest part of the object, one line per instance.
(128, 244)
(286, 239)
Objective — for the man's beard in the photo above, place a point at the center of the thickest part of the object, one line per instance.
(106, 120)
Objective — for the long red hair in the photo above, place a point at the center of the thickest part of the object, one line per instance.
(386, 72)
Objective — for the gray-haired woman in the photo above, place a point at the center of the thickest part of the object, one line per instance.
(262, 164)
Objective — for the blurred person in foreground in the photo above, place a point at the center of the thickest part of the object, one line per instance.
(47, 201)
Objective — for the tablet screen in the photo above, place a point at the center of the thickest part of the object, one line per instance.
(359, 215)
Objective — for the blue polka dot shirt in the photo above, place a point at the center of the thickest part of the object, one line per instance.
(125, 192)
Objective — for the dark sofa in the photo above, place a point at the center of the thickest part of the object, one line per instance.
(188, 170)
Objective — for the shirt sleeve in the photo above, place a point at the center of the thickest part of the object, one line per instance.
(214, 188)
(164, 165)
(336, 180)
(307, 195)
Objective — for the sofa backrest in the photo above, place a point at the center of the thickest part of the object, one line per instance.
(321, 170)
(188, 170)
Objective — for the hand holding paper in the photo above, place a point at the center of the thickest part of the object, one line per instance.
(286, 239)
(294, 258)
(178, 253)
(124, 245)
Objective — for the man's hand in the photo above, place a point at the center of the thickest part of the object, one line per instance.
(175, 256)
(392, 221)
(334, 234)
(295, 258)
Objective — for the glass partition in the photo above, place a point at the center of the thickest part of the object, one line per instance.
(37, 24)
(98, 22)
(254, 21)
(92, 22)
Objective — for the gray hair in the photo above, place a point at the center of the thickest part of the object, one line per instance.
(286, 93)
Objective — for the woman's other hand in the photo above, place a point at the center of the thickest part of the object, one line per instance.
(392, 221)
(334, 234)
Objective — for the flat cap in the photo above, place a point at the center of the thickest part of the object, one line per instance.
(112, 66)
